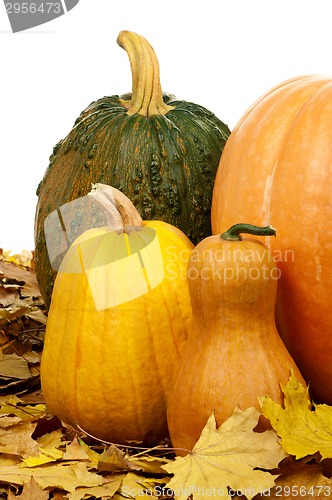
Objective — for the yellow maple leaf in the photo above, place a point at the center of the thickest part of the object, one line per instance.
(304, 428)
(10, 405)
(48, 449)
(225, 460)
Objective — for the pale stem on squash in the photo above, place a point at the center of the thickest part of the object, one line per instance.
(120, 212)
(113, 218)
(147, 96)
(131, 218)
(234, 232)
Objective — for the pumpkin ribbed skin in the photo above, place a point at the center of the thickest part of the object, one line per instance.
(164, 162)
(276, 169)
(235, 354)
(109, 370)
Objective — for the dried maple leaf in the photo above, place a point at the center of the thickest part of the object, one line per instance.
(227, 458)
(31, 491)
(13, 366)
(113, 459)
(24, 259)
(92, 455)
(17, 440)
(304, 428)
(48, 449)
(67, 476)
(11, 405)
(25, 279)
(7, 421)
(136, 486)
(107, 490)
(146, 463)
(299, 479)
(6, 460)
(75, 450)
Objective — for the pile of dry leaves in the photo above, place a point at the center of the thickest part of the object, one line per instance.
(41, 458)
(22, 324)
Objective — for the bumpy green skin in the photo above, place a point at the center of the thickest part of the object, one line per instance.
(166, 164)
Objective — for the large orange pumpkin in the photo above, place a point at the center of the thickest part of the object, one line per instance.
(276, 169)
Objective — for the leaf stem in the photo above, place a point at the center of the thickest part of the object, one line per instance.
(132, 447)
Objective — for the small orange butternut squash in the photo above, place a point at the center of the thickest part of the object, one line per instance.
(235, 354)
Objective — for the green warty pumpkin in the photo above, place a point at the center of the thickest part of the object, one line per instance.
(161, 152)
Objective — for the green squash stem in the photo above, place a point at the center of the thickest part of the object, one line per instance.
(147, 96)
(234, 232)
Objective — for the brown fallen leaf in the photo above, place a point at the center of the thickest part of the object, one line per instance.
(6, 460)
(25, 276)
(299, 479)
(59, 495)
(48, 449)
(14, 311)
(93, 456)
(51, 440)
(148, 464)
(113, 459)
(37, 315)
(31, 491)
(8, 295)
(75, 451)
(23, 376)
(13, 366)
(22, 324)
(17, 440)
(7, 421)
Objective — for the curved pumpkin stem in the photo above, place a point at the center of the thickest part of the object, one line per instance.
(132, 220)
(147, 96)
(234, 232)
(120, 212)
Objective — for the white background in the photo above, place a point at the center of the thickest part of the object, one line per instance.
(220, 54)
